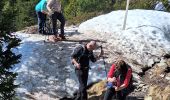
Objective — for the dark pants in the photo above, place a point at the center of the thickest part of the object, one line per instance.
(60, 17)
(82, 76)
(110, 93)
(41, 21)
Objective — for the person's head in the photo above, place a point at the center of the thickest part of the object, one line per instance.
(91, 45)
(120, 64)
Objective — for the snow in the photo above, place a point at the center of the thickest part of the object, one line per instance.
(146, 34)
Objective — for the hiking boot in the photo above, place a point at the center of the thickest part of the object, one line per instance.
(44, 33)
(62, 37)
(40, 32)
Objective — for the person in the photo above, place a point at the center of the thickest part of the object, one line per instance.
(41, 12)
(159, 6)
(54, 6)
(81, 56)
(119, 77)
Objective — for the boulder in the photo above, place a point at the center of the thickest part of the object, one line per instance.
(96, 92)
(159, 69)
(157, 92)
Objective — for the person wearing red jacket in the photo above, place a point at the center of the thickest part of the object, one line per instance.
(119, 77)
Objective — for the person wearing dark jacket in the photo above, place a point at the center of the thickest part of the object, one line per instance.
(119, 77)
(80, 58)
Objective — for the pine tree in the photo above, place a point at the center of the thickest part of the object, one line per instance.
(7, 60)
(8, 43)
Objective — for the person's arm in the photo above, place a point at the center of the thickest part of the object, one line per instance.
(101, 54)
(94, 59)
(76, 63)
(126, 81)
(49, 5)
(43, 8)
(110, 77)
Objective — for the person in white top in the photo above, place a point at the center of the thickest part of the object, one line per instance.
(54, 7)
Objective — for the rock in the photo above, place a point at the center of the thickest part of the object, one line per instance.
(168, 76)
(96, 92)
(168, 62)
(136, 68)
(158, 93)
(162, 64)
(166, 55)
(136, 77)
(159, 69)
(163, 60)
(150, 62)
(148, 98)
(157, 60)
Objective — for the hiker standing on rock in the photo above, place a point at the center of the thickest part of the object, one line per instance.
(54, 7)
(119, 81)
(41, 12)
(80, 58)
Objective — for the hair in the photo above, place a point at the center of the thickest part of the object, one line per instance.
(121, 66)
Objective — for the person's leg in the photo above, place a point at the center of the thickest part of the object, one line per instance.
(43, 23)
(39, 16)
(84, 85)
(54, 23)
(80, 80)
(110, 92)
(62, 21)
(121, 96)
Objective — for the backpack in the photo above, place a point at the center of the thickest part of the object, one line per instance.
(81, 53)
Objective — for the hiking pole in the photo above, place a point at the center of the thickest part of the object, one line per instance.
(103, 61)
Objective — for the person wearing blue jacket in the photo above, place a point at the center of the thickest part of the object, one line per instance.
(41, 12)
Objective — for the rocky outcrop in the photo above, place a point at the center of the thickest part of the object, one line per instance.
(158, 93)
